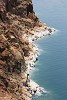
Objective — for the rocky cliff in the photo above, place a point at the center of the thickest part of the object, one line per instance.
(17, 18)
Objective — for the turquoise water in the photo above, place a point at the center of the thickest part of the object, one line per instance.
(51, 70)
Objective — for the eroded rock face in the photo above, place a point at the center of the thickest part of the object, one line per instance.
(16, 18)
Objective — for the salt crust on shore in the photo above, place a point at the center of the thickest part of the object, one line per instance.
(33, 56)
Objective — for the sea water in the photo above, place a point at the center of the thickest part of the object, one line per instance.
(51, 67)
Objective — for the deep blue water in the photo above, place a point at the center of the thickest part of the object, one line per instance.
(52, 64)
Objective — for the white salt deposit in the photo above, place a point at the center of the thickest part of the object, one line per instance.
(30, 61)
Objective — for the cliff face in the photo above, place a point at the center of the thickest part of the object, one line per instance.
(16, 18)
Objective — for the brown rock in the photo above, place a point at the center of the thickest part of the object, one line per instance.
(16, 18)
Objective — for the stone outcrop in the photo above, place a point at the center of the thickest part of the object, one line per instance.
(29, 8)
(16, 19)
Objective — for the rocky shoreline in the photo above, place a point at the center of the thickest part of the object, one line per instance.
(40, 32)
(19, 27)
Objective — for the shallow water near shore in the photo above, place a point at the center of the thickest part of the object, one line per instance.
(52, 64)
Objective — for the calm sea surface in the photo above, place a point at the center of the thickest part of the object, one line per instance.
(51, 68)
